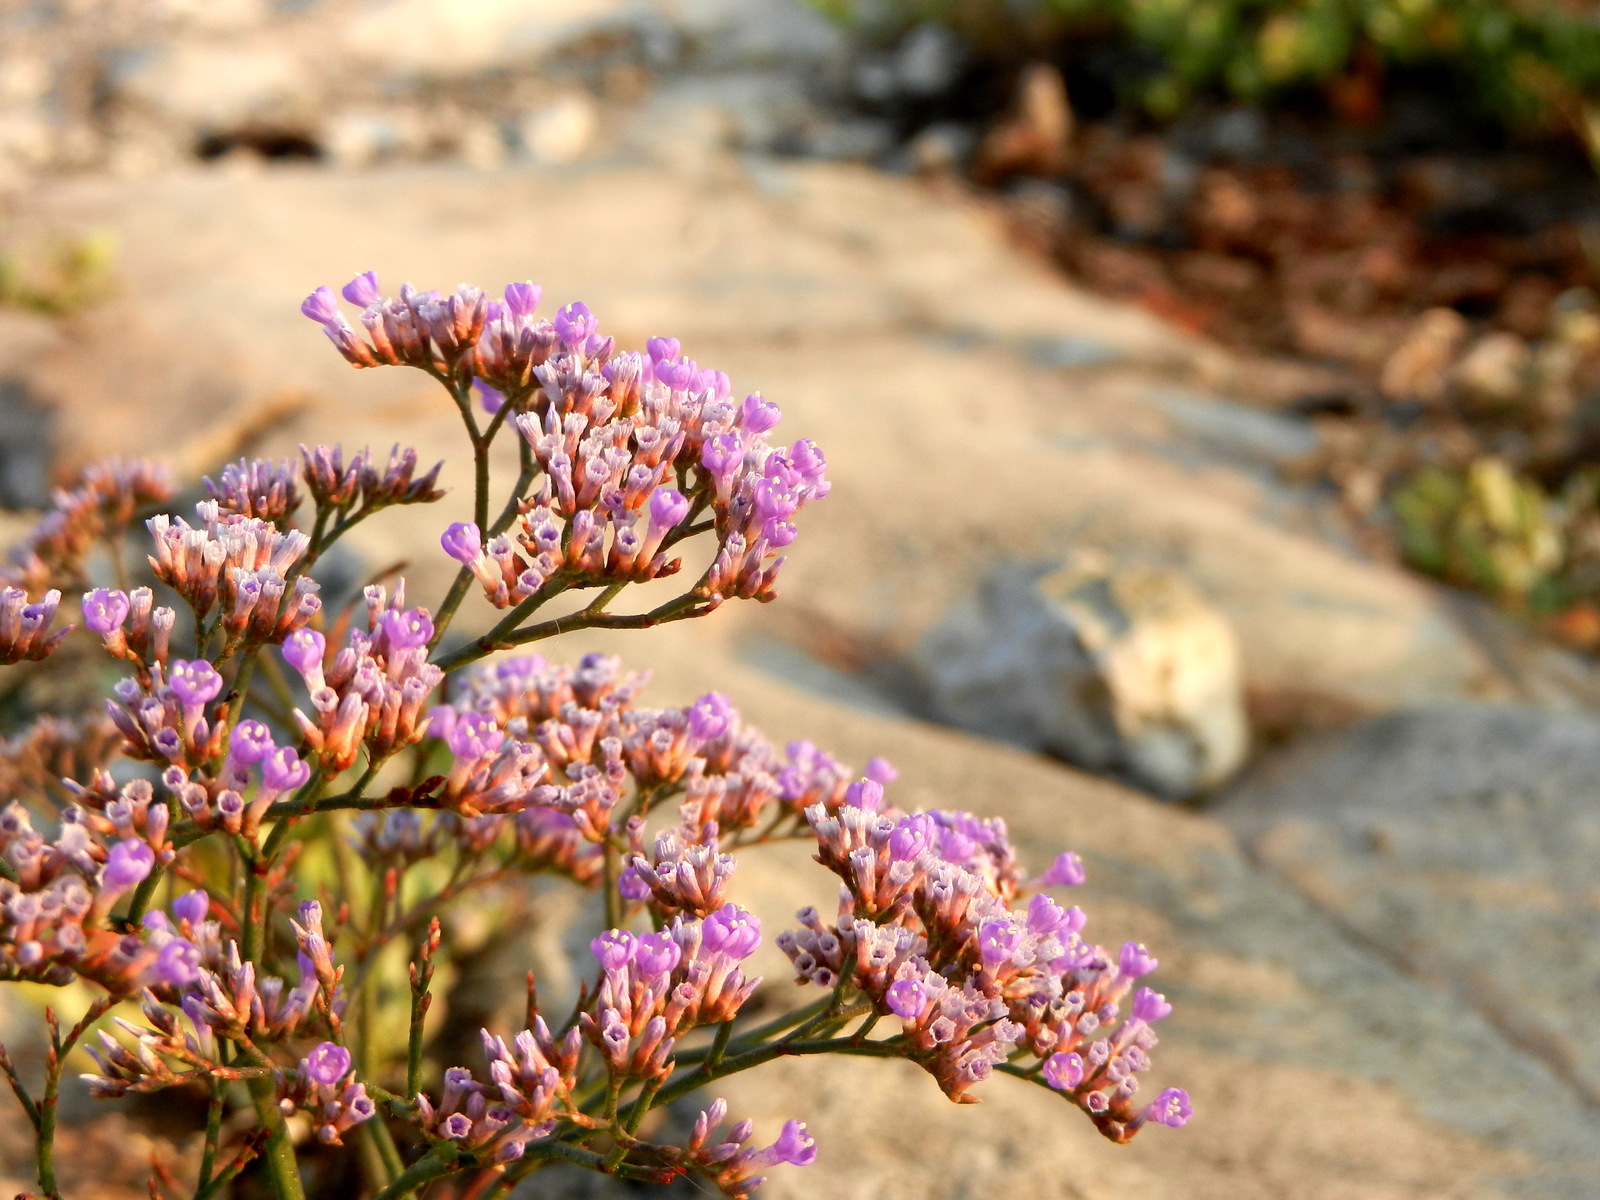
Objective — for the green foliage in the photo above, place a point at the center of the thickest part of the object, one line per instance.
(75, 273)
(1530, 62)
(1485, 528)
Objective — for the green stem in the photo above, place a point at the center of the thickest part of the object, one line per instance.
(642, 1105)
(252, 920)
(613, 897)
(208, 1157)
(388, 1153)
(688, 605)
(424, 1170)
(760, 1033)
(719, 1046)
(691, 1080)
(241, 687)
(447, 607)
(282, 1168)
(143, 894)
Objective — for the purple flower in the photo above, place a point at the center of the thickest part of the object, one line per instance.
(1149, 1005)
(322, 306)
(757, 415)
(283, 770)
(715, 382)
(1045, 916)
(906, 998)
(1066, 871)
(806, 458)
(731, 931)
(881, 771)
(178, 963)
(865, 794)
(1135, 960)
(194, 683)
(1063, 1071)
(362, 290)
(523, 298)
(656, 954)
(575, 323)
(795, 1145)
(614, 948)
(662, 349)
(127, 864)
(441, 720)
(492, 399)
(250, 742)
(678, 374)
(711, 717)
(105, 609)
(722, 454)
(474, 735)
(632, 887)
(303, 650)
(456, 1127)
(327, 1064)
(463, 542)
(998, 941)
(1171, 1108)
(192, 906)
(668, 506)
(408, 629)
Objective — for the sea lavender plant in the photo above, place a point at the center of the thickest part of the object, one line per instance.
(176, 874)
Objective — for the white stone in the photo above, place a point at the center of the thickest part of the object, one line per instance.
(562, 132)
(1129, 671)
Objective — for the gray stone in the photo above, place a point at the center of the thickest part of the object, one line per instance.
(26, 447)
(1462, 844)
(1127, 671)
(1237, 430)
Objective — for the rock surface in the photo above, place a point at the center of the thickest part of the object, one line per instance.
(1462, 843)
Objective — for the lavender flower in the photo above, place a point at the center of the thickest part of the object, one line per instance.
(1135, 960)
(129, 862)
(326, 1065)
(24, 627)
(1066, 871)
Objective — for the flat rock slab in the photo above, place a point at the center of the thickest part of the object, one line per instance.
(1463, 844)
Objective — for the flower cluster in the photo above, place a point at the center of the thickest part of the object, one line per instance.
(363, 485)
(635, 451)
(101, 505)
(55, 896)
(330, 1092)
(554, 749)
(928, 928)
(168, 716)
(252, 721)
(657, 986)
(131, 626)
(724, 1159)
(243, 565)
(374, 692)
(530, 1084)
(25, 628)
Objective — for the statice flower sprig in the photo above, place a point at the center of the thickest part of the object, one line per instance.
(283, 792)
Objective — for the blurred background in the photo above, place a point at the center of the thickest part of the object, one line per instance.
(1212, 390)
